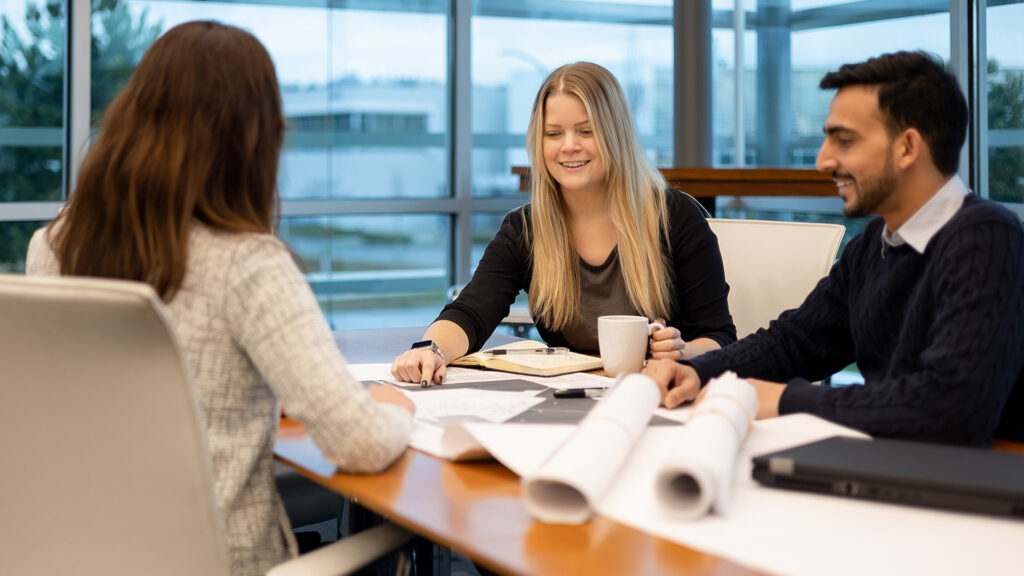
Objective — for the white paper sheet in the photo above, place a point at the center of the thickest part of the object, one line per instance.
(697, 475)
(439, 410)
(457, 375)
(781, 531)
(565, 487)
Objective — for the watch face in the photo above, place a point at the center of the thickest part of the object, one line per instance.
(422, 344)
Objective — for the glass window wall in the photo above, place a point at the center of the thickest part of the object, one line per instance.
(382, 179)
(1005, 88)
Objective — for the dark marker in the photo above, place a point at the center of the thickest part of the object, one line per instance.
(579, 392)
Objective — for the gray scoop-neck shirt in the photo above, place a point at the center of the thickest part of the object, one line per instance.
(602, 293)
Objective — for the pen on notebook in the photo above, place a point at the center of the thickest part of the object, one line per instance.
(509, 351)
(580, 392)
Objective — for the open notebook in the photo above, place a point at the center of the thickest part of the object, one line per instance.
(530, 357)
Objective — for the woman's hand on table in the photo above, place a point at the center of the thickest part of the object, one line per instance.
(419, 365)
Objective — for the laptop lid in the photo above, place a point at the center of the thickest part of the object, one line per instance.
(931, 475)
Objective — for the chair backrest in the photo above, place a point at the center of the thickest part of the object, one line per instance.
(772, 266)
(103, 461)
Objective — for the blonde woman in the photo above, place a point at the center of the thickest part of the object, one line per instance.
(602, 235)
(179, 190)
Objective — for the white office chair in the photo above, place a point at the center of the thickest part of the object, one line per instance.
(105, 467)
(772, 266)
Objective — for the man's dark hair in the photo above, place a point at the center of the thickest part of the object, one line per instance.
(914, 91)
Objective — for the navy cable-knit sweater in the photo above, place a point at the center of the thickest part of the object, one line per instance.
(939, 336)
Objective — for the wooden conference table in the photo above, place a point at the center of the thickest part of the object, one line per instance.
(475, 508)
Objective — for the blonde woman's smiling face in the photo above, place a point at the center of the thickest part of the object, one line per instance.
(571, 154)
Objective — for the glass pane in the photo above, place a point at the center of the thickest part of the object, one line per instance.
(1005, 102)
(373, 271)
(788, 47)
(31, 101)
(485, 226)
(366, 121)
(14, 237)
(121, 34)
(515, 45)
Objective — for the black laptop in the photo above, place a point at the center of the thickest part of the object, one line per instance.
(931, 475)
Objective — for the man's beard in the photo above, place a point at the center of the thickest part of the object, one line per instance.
(871, 192)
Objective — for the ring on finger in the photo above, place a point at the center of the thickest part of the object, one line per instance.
(680, 350)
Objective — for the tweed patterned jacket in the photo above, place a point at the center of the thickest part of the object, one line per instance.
(253, 333)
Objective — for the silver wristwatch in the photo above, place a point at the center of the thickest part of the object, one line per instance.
(430, 345)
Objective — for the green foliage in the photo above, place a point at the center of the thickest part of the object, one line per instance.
(15, 234)
(1005, 112)
(32, 95)
(118, 44)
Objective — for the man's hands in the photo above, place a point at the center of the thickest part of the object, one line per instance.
(678, 382)
(768, 394)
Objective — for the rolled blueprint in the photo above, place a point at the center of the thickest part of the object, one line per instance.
(698, 477)
(577, 473)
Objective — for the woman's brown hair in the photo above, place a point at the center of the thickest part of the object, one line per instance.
(195, 134)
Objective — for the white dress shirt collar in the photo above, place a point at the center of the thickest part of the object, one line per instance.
(929, 219)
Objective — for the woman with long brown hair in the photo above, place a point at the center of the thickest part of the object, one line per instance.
(602, 235)
(179, 191)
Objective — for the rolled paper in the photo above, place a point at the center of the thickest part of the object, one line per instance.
(565, 487)
(697, 479)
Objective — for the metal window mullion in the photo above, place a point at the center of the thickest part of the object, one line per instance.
(691, 32)
(739, 28)
(460, 137)
(28, 211)
(979, 119)
(691, 63)
(77, 74)
(968, 62)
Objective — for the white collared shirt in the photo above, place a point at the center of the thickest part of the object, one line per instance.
(919, 229)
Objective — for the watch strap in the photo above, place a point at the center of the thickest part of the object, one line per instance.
(430, 345)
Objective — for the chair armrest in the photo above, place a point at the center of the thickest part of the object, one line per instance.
(346, 555)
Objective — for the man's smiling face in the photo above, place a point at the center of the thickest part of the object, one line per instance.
(858, 152)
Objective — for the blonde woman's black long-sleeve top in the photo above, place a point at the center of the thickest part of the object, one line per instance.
(699, 306)
(938, 336)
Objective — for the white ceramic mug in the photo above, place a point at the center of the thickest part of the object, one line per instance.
(623, 342)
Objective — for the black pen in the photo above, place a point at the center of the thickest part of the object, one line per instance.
(580, 392)
(509, 351)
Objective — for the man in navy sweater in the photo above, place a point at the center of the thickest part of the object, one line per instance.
(928, 300)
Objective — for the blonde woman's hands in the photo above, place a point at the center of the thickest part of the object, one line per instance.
(666, 343)
(419, 365)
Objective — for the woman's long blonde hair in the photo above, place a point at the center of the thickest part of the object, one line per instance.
(195, 134)
(636, 200)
